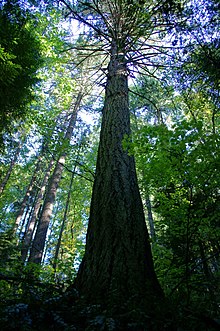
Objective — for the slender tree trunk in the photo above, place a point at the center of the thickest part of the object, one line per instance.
(38, 244)
(117, 267)
(26, 243)
(28, 192)
(215, 247)
(27, 216)
(37, 249)
(47, 242)
(150, 217)
(63, 224)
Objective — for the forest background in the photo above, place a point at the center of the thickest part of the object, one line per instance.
(52, 94)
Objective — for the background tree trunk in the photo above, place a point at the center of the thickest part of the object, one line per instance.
(28, 192)
(37, 249)
(28, 235)
(63, 223)
(150, 217)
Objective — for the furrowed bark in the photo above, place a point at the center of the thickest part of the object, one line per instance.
(117, 266)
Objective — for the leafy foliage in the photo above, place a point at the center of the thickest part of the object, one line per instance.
(178, 168)
(20, 58)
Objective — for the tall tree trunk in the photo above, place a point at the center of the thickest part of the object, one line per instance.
(27, 216)
(26, 242)
(38, 243)
(150, 217)
(63, 223)
(37, 249)
(117, 267)
(28, 192)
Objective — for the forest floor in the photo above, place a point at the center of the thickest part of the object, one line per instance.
(47, 308)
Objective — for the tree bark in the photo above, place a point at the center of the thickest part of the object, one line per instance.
(26, 242)
(117, 267)
(37, 249)
(63, 224)
(150, 217)
(36, 252)
(28, 193)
